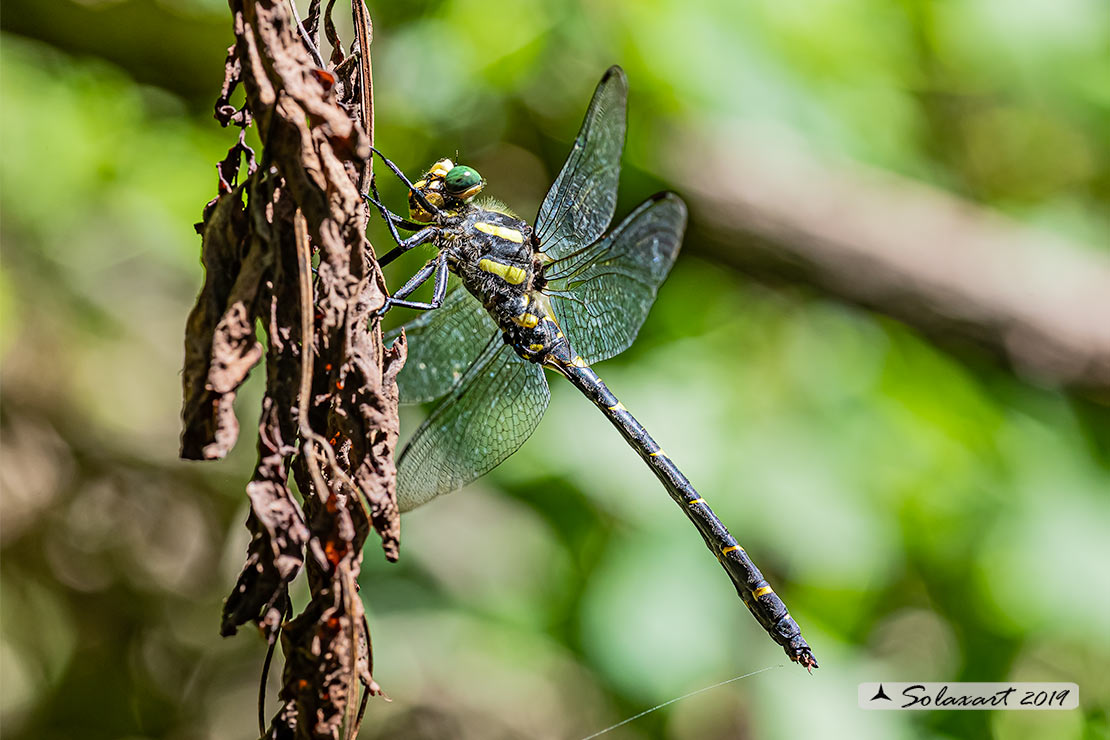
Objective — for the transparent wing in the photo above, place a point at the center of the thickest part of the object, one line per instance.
(485, 418)
(442, 344)
(580, 204)
(602, 292)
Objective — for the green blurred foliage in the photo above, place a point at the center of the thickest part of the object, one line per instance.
(926, 517)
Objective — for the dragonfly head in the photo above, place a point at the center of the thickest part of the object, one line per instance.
(446, 186)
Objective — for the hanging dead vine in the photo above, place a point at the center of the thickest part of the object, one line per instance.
(329, 414)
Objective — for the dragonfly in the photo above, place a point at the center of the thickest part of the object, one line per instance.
(562, 295)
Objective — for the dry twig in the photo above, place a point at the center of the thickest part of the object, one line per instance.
(330, 409)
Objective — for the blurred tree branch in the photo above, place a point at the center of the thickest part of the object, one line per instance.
(954, 270)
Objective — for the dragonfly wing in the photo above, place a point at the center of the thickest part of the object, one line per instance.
(580, 204)
(442, 345)
(602, 293)
(486, 417)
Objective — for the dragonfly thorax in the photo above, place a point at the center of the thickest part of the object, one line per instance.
(494, 254)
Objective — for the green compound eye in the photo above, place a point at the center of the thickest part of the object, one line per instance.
(463, 181)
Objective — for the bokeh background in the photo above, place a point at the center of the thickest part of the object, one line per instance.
(927, 512)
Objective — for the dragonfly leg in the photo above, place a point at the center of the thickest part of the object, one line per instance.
(424, 233)
(390, 217)
(437, 267)
(419, 196)
(421, 237)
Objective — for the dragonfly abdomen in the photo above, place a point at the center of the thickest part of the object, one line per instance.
(750, 584)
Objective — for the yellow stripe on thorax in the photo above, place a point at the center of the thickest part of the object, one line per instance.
(502, 232)
(527, 320)
(508, 273)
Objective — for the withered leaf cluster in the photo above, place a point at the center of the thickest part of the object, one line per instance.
(329, 415)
